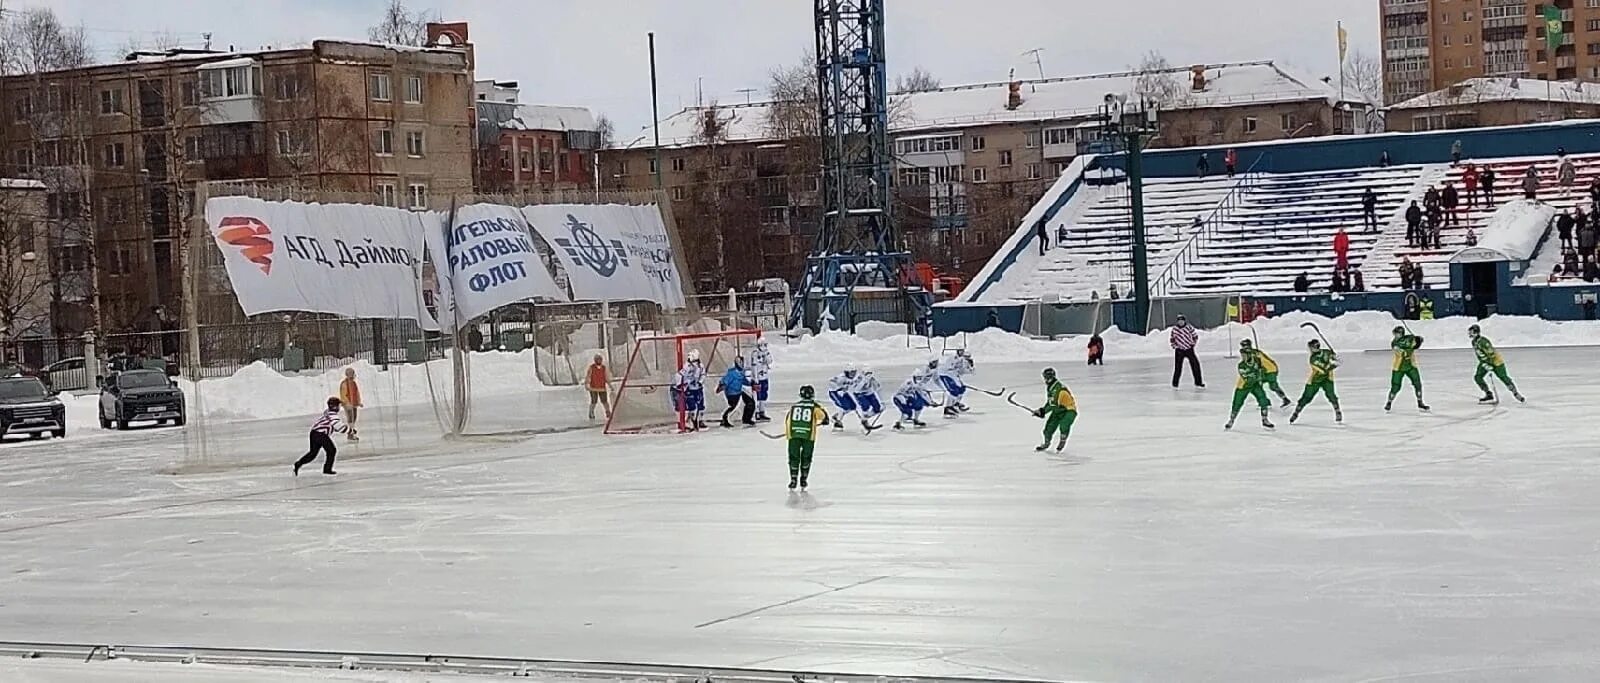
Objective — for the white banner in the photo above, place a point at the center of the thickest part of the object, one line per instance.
(611, 252)
(488, 261)
(346, 259)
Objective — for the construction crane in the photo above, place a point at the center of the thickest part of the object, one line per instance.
(857, 269)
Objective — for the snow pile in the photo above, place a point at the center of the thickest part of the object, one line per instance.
(1352, 332)
(1512, 232)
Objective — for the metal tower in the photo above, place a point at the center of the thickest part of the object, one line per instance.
(857, 269)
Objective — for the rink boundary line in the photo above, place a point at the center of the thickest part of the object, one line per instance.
(445, 664)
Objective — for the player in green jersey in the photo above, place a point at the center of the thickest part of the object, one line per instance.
(801, 430)
(1405, 347)
(1323, 361)
(1489, 360)
(1251, 377)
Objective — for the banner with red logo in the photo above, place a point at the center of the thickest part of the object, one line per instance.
(352, 260)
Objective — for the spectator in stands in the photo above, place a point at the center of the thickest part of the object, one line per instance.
(1430, 198)
(1591, 272)
(1530, 183)
(1451, 201)
(1566, 176)
(1407, 271)
(1203, 166)
(1486, 180)
(1564, 225)
(1555, 274)
(1472, 238)
(1111, 292)
(1436, 233)
(1579, 219)
(1184, 337)
(1435, 222)
(1594, 195)
(1261, 310)
(1588, 236)
(1338, 283)
(1341, 249)
(1469, 181)
(1455, 152)
(1043, 233)
(1569, 258)
(1061, 235)
(1384, 161)
(1230, 160)
(1369, 209)
(1413, 224)
(1302, 282)
(1358, 283)
(1411, 309)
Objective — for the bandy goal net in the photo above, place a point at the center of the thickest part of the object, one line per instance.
(644, 397)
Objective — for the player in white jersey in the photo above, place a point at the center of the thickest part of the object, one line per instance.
(841, 390)
(868, 404)
(912, 397)
(951, 372)
(689, 392)
(760, 365)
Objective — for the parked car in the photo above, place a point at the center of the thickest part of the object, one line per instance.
(27, 407)
(67, 374)
(140, 396)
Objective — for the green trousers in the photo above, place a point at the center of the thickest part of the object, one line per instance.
(1396, 376)
(1059, 420)
(1324, 385)
(1252, 389)
(1271, 382)
(800, 457)
(1499, 371)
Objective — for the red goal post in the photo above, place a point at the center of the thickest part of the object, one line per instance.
(644, 397)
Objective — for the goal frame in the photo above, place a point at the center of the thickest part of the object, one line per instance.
(630, 380)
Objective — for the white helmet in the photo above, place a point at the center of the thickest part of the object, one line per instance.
(761, 343)
(933, 363)
(694, 355)
(866, 370)
(849, 369)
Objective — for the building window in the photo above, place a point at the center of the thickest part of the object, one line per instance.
(116, 209)
(386, 194)
(655, 165)
(622, 168)
(525, 160)
(679, 194)
(1466, 39)
(414, 90)
(1449, 63)
(191, 147)
(1249, 125)
(1005, 158)
(1058, 136)
(115, 155)
(414, 146)
(978, 143)
(772, 215)
(24, 158)
(1444, 17)
(378, 86)
(383, 142)
(1446, 40)
(417, 193)
(546, 161)
(1031, 140)
(679, 164)
(111, 101)
(1466, 16)
(1593, 48)
(290, 144)
(1033, 172)
(120, 261)
(190, 92)
(237, 81)
(1287, 122)
(23, 108)
(1592, 25)
(1466, 61)
(980, 174)
(287, 86)
(1539, 56)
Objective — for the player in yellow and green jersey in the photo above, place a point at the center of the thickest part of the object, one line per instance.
(1489, 360)
(1059, 411)
(1405, 347)
(801, 430)
(1269, 370)
(1323, 361)
(1250, 378)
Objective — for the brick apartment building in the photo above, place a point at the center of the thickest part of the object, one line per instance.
(1429, 45)
(120, 146)
(1496, 102)
(970, 160)
(531, 147)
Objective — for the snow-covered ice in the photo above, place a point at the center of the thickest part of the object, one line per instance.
(1452, 545)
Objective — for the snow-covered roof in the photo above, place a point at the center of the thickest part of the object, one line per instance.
(1512, 233)
(229, 63)
(20, 184)
(550, 117)
(1479, 90)
(1071, 97)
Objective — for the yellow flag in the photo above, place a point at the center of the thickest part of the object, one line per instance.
(1344, 42)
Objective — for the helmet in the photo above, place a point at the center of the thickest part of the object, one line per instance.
(807, 393)
(850, 369)
(933, 363)
(961, 353)
(1399, 330)
(1474, 331)
(866, 371)
(334, 402)
(1245, 344)
(1313, 345)
(1049, 374)
(693, 356)
(761, 343)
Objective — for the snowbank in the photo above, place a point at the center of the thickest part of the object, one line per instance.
(1361, 331)
(1512, 233)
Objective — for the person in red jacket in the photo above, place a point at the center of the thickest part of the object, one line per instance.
(1341, 250)
(1230, 161)
(1469, 180)
(597, 383)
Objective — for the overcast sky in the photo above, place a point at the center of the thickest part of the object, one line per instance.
(593, 52)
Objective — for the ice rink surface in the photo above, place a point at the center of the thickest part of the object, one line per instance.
(1456, 545)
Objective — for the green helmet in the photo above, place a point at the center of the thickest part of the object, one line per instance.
(1049, 374)
(807, 393)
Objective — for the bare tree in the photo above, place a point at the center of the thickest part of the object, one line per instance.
(401, 26)
(919, 80)
(792, 89)
(1158, 82)
(1363, 74)
(605, 131)
(24, 276)
(37, 41)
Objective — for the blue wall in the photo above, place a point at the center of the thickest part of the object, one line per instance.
(1357, 151)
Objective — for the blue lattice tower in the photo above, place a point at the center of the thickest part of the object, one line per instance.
(857, 245)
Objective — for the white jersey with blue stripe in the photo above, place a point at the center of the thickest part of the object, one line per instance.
(955, 366)
(924, 377)
(841, 383)
(692, 377)
(866, 385)
(760, 364)
(914, 388)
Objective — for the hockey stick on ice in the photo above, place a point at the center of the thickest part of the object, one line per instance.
(774, 437)
(996, 394)
(1012, 399)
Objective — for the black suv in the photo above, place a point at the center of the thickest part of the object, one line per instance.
(26, 407)
(140, 395)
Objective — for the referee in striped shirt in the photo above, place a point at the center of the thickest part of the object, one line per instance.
(1184, 337)
(326, 424)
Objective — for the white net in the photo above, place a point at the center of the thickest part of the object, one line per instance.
(644, 399)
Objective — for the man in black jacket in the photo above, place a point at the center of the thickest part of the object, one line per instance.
(1413, 224)
(1486, 183)
(1369, 209)
(1451, 201)
(1564, 224)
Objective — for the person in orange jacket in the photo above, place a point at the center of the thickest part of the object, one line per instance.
(597, 383)
(350, 397)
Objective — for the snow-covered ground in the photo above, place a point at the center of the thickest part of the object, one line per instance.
(1444, 546)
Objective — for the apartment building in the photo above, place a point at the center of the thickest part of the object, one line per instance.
(970, 160)
(531, 147)
(120, 147)
(1496, 102)
(1429, 45)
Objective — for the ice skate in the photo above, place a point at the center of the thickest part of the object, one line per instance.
(1267, 423)
(802, 483)
(1422, 406)
(899, 426)
(1061, 444)
(962, 407)
(1338, 416)
(297, 469)
(1286, 403)
(1041, 447)
(1229, 425)
(329, 472)
(1487, 398)
(1294, 416)
(1388, 405)
(727, 425)
(792, 483)
(1518, 395)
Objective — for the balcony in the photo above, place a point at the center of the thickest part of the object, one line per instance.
(230, 92)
